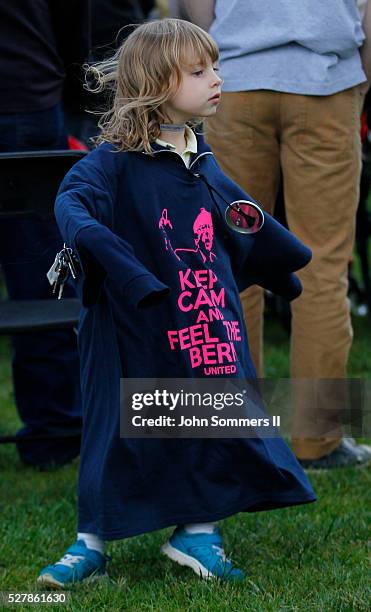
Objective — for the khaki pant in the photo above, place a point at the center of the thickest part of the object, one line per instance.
(315, 141)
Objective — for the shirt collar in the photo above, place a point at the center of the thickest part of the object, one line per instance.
(191, 146)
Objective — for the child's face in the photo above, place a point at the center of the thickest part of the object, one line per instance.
(198, 94)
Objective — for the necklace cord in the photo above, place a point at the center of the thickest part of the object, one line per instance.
(212, 189)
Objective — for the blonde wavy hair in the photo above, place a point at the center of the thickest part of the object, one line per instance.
(145, 73)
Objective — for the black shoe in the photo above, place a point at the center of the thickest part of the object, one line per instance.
(347, 454)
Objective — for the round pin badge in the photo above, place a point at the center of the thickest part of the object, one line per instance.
(244, 217)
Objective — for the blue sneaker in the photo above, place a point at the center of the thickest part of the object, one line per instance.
(78, 564)
(203, 552)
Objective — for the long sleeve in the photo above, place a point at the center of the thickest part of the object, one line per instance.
(102, 254)
(267, 258)
(272, 260)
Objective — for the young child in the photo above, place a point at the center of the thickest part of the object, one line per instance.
(144, 212)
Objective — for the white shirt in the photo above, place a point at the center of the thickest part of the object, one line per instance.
(191, 146)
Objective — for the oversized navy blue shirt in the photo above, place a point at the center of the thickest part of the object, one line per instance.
(160, 288)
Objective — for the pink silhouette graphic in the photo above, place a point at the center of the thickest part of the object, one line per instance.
(203, 235)
(163, 223)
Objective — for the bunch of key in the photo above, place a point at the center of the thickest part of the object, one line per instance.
(65, 263)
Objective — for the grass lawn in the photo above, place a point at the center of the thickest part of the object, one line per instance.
(310, 558)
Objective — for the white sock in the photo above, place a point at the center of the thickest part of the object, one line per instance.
(92, 541)
(200, 527)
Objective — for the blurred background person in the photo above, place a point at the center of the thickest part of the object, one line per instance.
(42, 43)
(177, 9)
(293, 92)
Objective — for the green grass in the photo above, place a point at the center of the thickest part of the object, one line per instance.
(310, 558)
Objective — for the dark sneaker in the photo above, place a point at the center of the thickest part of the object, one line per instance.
(347, 454)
